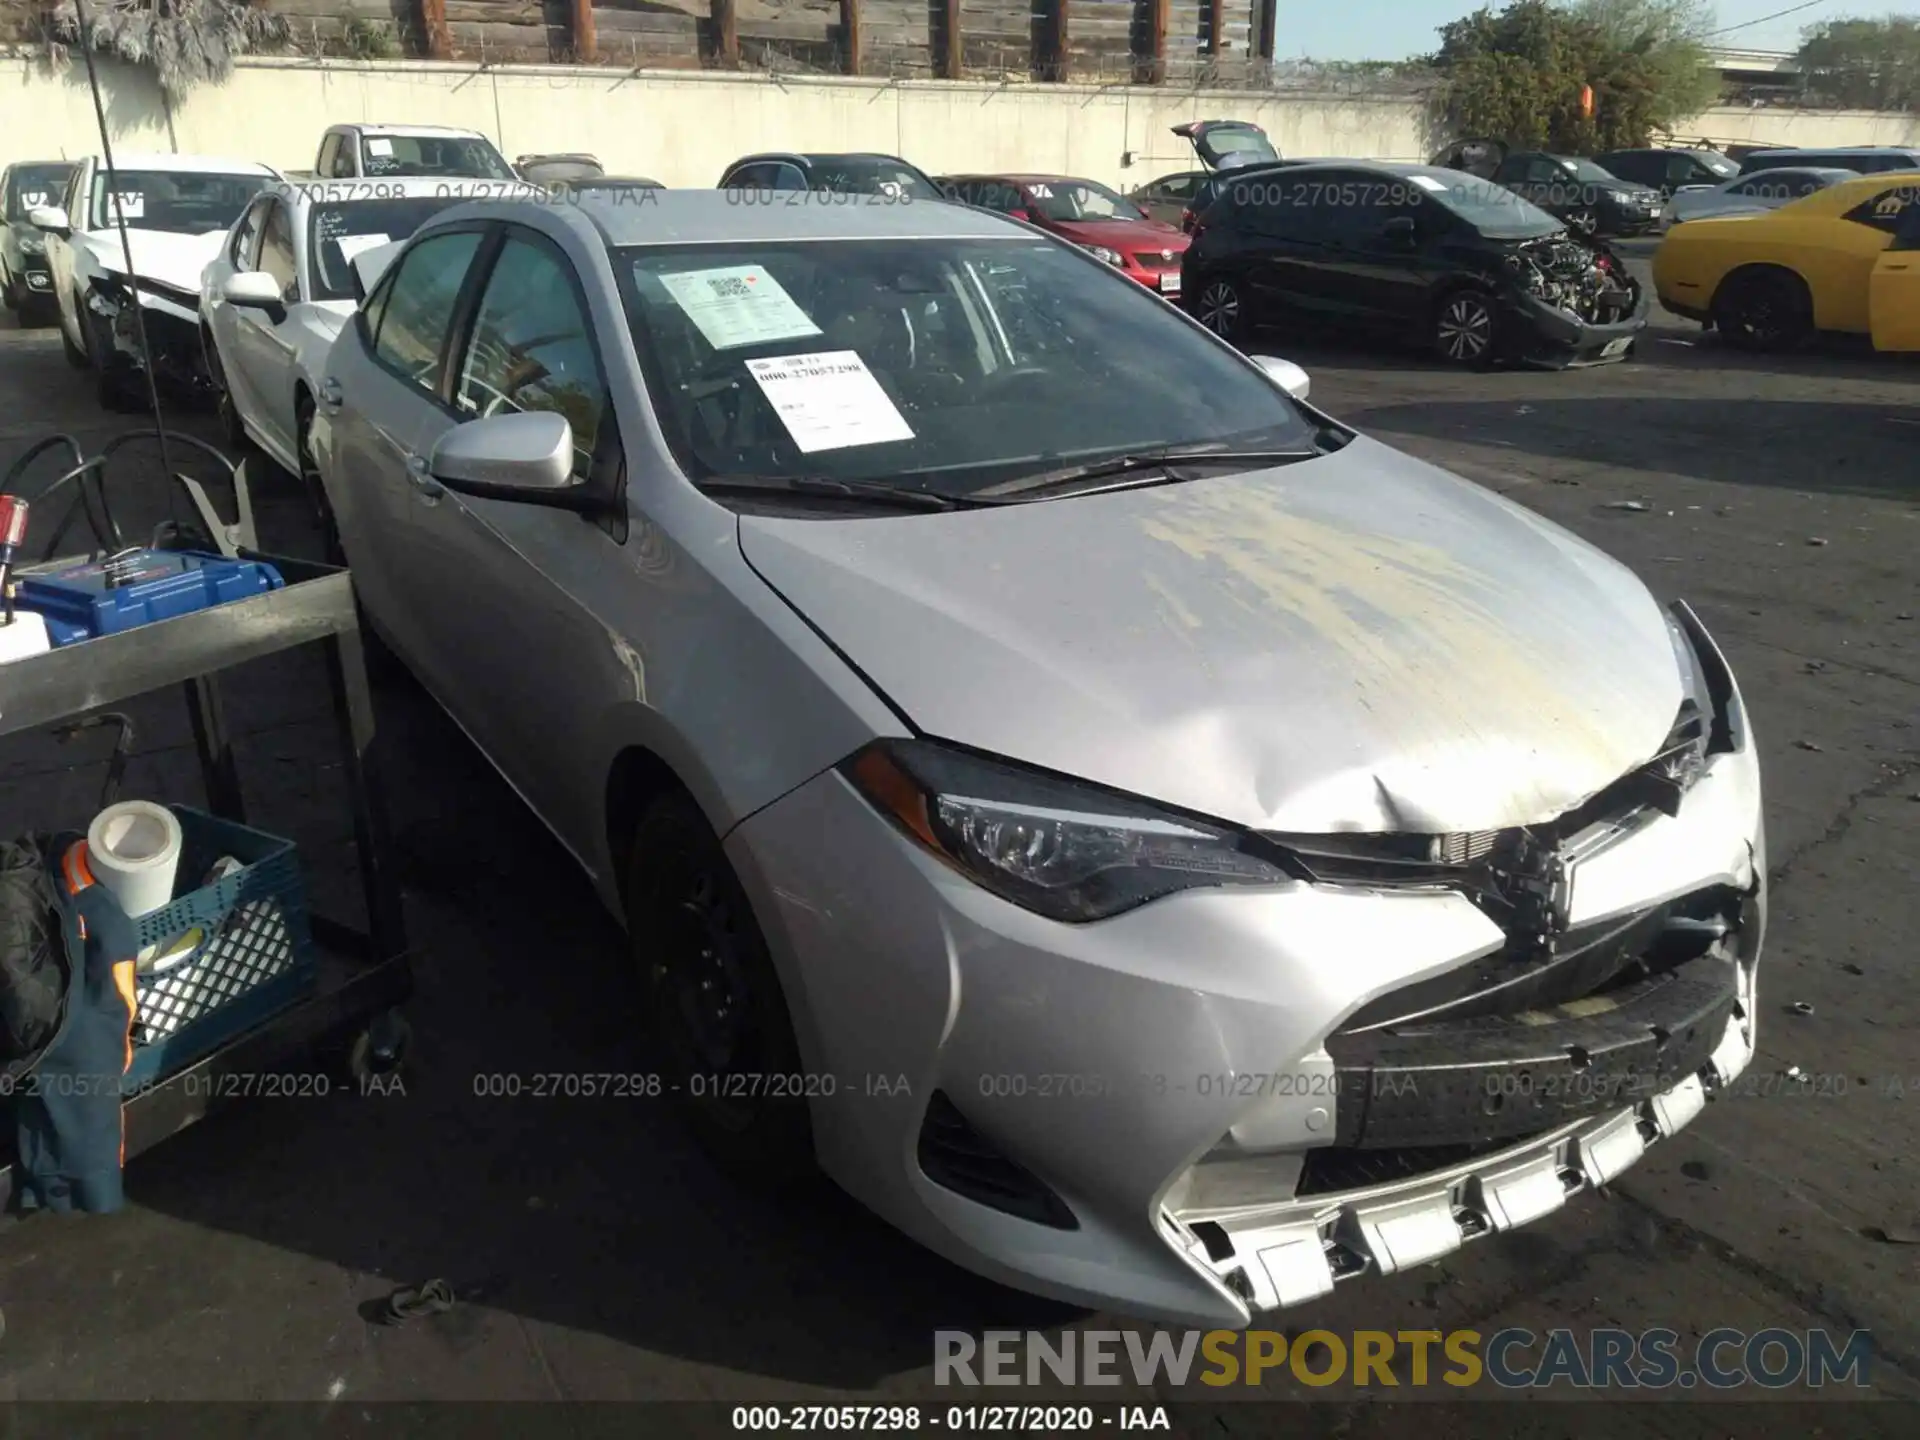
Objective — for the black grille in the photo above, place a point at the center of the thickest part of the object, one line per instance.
(1336, 1168)
(955, 1155)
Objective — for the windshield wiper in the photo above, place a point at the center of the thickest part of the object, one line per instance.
(870, 492)
(1171, 464)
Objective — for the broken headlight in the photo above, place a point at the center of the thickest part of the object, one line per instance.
(1055, 847)
(1682, 758)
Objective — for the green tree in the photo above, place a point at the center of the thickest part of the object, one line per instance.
(1864, 64)
(1517, 75)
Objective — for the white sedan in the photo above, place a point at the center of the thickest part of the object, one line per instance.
(274, 298)
(1750, 194)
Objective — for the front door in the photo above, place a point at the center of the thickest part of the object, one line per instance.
(502, 585)
(262, 349)
(1893, 295)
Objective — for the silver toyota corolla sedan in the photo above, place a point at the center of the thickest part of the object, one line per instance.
(1151, 844)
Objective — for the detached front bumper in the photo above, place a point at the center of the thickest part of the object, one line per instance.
(1170, 1113)
(1548, 337)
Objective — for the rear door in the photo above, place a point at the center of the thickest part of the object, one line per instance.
(389, 373)
(1893, 295)
(1371, 278)
(1226, 144)
(1291, 255)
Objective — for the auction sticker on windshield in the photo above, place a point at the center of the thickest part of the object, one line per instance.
(352, 245)
(829, 400)
(738, 305)
(129, 204)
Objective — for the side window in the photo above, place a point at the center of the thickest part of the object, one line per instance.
(276, 251)
(246, 236)
(532, 348)
(788, 177)
(1542, 171)
(76, 211)
(1907, 235)
(346, 162)
(1685, 170)
(329, 151)
(1348, 210)
(748, 177)
(410, 330)
(1887, 209)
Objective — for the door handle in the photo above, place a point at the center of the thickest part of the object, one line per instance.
(330, 395)
(420, 475)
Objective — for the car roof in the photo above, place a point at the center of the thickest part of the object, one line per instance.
(447, 131)
(1016, 177)
(715, 217)
(810, 157)
(188, 164)
(1838, 150)
(357, 192)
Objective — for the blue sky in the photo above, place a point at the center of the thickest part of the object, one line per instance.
(1395, 29)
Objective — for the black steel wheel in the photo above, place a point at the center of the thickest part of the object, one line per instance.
(1220, 307)
(1583, 222)
(1763, 310)
(718, 1021)
(1467, 329)
(76, 357)
(232, 430)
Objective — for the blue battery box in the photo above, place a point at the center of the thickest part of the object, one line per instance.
(104, 597)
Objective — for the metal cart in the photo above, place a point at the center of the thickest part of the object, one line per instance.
(364, 975)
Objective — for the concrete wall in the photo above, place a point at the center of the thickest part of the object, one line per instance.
(683, 127)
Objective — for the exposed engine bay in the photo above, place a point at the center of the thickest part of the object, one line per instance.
(1583, 278)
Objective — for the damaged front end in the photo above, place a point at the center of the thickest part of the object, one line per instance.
(1482, 1097)
(170, 318)
(1577, 302)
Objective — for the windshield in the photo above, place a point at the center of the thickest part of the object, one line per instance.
(1493, 210)
(1061, 200)
(1587, 170)
(32, 185)
(561, 169)
(338, 231)
(944, 365)
(183, 201)
(860, 175)
(455, 156)
(1717, 163)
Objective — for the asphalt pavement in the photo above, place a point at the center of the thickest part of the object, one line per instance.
(596, 1257)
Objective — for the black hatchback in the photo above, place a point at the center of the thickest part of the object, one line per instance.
(1450, 261)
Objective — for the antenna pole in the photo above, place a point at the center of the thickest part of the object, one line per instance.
(126, 245)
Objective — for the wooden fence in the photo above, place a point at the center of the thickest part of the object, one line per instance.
(1142, 41)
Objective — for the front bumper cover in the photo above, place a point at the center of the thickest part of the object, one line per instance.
(1548, 337)
(1110, 1063)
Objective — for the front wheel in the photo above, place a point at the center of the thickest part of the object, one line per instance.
(1584, 222)
(1220, 307)
(1467, 329)
(1764, 310)
(232, 429)
(717, 1017)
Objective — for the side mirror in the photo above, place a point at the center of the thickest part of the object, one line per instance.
(525, 456)
(1020, 215)
(1284, 373)
(1400, 230)
(50, 218)
(1145, 214)
(253, 289)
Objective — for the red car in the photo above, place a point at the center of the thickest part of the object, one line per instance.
(1102, 222)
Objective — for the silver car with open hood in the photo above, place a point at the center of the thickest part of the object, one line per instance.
(1150, 843)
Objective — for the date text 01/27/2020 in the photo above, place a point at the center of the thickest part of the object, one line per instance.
(908, 1419)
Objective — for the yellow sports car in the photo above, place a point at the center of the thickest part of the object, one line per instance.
(1846, 258)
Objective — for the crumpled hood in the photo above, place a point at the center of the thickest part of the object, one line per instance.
(1357, 643)
(163, 255)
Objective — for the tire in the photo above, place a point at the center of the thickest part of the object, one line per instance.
(76, 357)
(1763, 311)
(713, 1001)
(1466, 329)
(10, 296)
(312, 487)
(232, 431)
(1221, 307)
